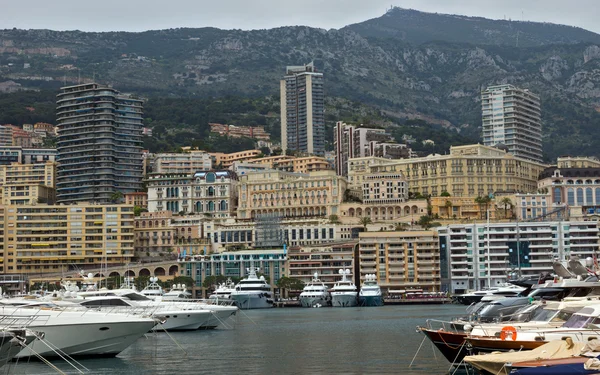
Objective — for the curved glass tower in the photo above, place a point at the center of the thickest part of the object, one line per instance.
(99, 144)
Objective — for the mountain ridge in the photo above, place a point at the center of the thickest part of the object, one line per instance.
(438, 80)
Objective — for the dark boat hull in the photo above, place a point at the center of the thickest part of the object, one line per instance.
(450, 344)
(484, 345)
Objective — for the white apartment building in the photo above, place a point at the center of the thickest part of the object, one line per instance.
(512, 116)
(186, 163)
(230, 233)
(213, 193)
(482, 255)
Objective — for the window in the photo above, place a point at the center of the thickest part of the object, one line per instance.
(571, 196)
(579, 196)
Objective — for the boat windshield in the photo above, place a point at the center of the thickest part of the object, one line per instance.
(544, 315)
(578, 321)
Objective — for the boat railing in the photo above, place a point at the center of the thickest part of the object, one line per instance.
(203, 301)
(445, 325)
(22, 321)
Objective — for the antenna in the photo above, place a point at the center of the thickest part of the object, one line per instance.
(78, 76)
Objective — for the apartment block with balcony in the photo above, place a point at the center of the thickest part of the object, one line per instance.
(483, 255)
(154, 235)
(99, 144)
(47, 239)
(27, 184)
(303, 110)
(401, 260)
(213, 193)
(467, 171)
(512, 117)
(286, 194)
(18, 154)
(325, 259)
(137, 199)
(185, 163)
(225, 161)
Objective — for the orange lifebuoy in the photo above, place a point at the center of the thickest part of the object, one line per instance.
(505, 332)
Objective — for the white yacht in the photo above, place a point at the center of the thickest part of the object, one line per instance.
(223, 291)
(180, 315)
(343, 293)
(315, 293)
(252, 292)
(153, 290)
(370, 292)
(178, 292)
(503, 290)
(75, 331)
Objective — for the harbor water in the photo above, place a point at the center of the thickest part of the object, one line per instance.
(358, 340)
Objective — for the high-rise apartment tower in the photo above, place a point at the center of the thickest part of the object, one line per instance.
(99, 144)
(302, 110)
(512, 117)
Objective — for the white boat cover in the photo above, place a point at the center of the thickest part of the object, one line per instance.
(496, 363)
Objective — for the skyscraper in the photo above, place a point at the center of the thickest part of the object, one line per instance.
(353, 141)
(99, 144)
(512, 117)
(302, 110)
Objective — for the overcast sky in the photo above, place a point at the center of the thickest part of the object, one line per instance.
(139, 15)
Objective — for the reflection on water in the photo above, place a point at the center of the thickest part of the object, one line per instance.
(285, 341)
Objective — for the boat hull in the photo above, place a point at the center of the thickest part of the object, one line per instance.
(314, 301)
(344, 300)
(370, 301)
(12, 342)
(450, 344)
(86, 339)
(252, 301)
(483, 345)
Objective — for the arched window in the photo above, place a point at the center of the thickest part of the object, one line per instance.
(579, 196)
(211, 206)
(558, 195)
(223, 206)
(211, 191)
(597, 195)
(198, 207)
(571, 196)
(589, 196)
(210, 177)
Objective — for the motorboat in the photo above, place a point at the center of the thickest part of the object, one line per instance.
(344, 293)
(370, 292)
(450, 337)
(73, 330)
(177, 292)
(546, 357)
(253, 292)
(584, 325)
(504, 290)
(153, 290)
(315, 293)
(223, 291)
(180, 315)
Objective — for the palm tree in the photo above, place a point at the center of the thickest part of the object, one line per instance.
(481, 201)
(425, 222)
(364, 221)
(506, 202)
(448, 206)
